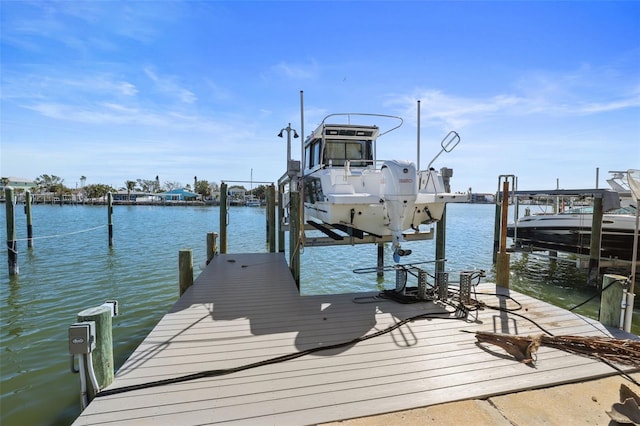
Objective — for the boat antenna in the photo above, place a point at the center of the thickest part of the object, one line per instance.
(418, 162)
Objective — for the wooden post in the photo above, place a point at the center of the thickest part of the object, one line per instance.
(110, 217)
(185, 265)
(294, 237)
(380, 264)
(281, 240)
(211, 245)
(611, 300)
(27, 211)
(594, 243)
(103, 353)
(502, 259)
(441, 237)
(12, 244)
(271, 218)
(223, 218)
(496, 231)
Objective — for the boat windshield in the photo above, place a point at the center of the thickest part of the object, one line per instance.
(357, 152)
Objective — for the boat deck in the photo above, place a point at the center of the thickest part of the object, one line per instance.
(245, 308)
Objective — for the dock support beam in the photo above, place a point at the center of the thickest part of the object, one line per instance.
(594, 242)
(212, 248)
(611, 301)
(281, 239)
(103, 353)
(185, 265)
(223, 218)
(271, 218)
(110, 217)
(441, 238)
(380, 264)
(27, 211)
(294, 236)
(502, 260)
(12, 244)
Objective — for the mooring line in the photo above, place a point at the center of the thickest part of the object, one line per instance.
(61, 235)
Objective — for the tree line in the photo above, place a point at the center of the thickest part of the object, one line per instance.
(54, 184)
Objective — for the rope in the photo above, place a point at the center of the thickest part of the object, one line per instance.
(61, 235)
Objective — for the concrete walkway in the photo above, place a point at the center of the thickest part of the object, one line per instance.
(584, 403)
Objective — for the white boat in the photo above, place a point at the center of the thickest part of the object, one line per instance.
(570, 231)
(347, 187)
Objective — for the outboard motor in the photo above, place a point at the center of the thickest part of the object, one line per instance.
(399, 192)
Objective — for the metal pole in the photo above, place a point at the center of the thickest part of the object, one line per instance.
(418, 135)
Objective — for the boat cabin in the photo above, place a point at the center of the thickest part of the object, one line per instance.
(339, 146)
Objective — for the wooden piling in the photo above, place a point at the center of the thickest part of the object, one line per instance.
(496, 231)
(594, 243)
(12, 244)
(294, 237)
(212, 248)
(185, 266)
(110, 217)
(103, 353)
(281, 238)
(271, 218)
(611, 300)
(27, 211)
(441, 237)
(223, 218)
(503, 258)
(380, 263)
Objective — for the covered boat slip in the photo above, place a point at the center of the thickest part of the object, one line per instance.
(245, 309)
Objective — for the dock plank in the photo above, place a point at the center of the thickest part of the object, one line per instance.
(245, 308)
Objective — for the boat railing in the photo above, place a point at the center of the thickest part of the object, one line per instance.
(364, 114)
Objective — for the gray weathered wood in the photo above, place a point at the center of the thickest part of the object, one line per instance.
(246, 308)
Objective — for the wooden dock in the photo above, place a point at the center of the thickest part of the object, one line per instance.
(245, 308)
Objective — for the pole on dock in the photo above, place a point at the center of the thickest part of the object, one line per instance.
(271, 218)
(211, 245)
(611, 313)
(281, 240)
(223, 218)
(441, 237)
(594, 242)
(12, 244)
(110, 217)
(294, 237)
(185, 266)
(496, 230)
(380, 267)
(102, 355)
(27, 211)
(502, 259)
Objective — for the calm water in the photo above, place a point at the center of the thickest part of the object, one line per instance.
(71, 268)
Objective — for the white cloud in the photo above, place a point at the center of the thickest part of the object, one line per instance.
(168, 85)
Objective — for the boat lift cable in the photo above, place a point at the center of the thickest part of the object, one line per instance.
(599, 293)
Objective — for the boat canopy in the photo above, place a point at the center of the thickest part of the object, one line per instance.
(335, 144)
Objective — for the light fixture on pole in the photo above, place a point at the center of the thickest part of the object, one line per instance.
(289, 129)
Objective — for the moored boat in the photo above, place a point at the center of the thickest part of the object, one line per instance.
(571, 230)
(347, 187)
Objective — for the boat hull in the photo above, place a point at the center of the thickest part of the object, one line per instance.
(572, 234)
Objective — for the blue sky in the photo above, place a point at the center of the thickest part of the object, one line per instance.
(118, 91)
